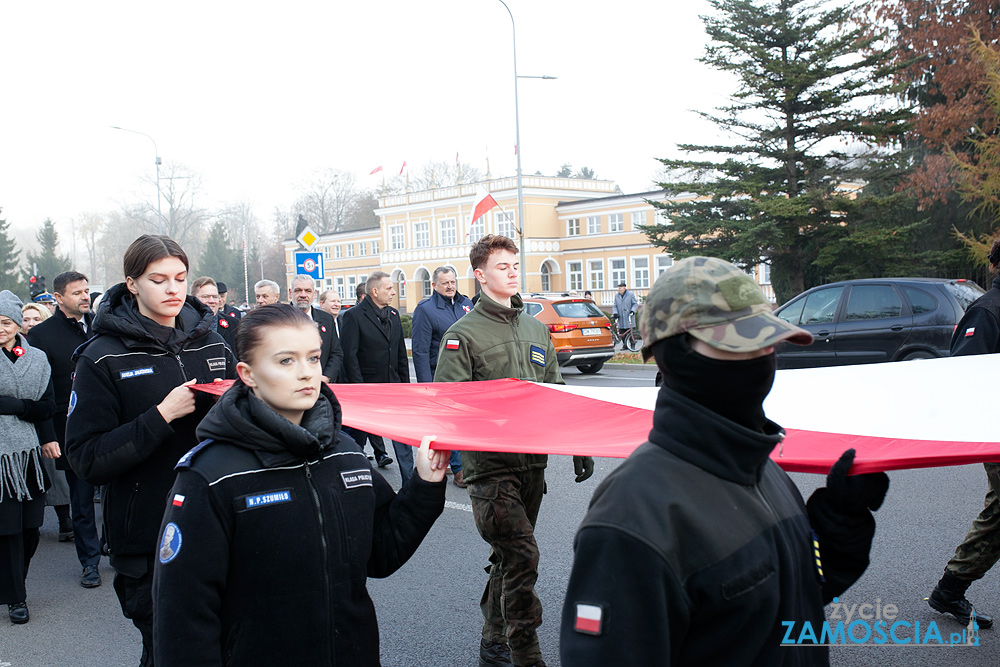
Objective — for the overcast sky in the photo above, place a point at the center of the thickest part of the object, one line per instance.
(256, 97)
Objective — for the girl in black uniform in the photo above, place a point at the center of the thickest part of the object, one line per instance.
(132, 413)
(276, 520)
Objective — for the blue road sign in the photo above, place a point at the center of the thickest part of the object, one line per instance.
(310, 264)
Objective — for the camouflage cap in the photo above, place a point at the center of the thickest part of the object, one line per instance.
(718, 304)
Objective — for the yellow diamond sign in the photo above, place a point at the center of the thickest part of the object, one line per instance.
(308, 238)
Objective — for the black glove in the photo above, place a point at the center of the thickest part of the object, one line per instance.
(856, 493)
(583, 466)
(11, 406)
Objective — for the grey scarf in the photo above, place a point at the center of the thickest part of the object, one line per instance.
(19, 446)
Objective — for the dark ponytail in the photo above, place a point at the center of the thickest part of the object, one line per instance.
(251, 330)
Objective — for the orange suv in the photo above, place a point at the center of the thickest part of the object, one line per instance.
(580, 331)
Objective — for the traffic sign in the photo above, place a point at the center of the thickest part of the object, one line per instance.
(310, 264)
(308, 238)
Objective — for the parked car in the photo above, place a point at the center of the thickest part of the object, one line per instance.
(580, 331)
(876, 319)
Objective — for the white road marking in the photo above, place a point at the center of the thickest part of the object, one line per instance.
(450, 505)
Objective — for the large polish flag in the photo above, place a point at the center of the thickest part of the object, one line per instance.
(484, 202)
(897, 415)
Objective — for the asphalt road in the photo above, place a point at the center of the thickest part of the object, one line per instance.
(428, 611)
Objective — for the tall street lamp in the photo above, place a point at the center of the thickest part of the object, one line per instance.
(156, 151)
(517, 142)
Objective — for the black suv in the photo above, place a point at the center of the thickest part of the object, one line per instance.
(876, 319)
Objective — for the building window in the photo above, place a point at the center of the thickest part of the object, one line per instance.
(350, 250)
(618, 274)
(375, 247)
(546, 282)
(573, 227)
(449, 232)
(477, 229)
(764, 275)
(326, 252)
(595, 269)
(338, 251)
(638, 218)
(616, 222)
(640, 272)
(364, 249)
(424, 278)
(504, 223)
(663, 262)
(421, 235)
(661, 217)
(397, 240)
(594, 224)
(340, 286)
(402, 285)
(352, 286)
(575, 271)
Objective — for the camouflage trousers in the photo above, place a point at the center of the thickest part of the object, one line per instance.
(980, 549)
(505, 509)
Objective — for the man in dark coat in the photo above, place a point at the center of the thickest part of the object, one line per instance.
(206, 290)
(374, 351)
(224, 306)
(332, 360)
(66, 330)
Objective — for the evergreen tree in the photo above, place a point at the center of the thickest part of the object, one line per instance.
(47, 262)
(809, 88)
(218, 260)
(9, 279)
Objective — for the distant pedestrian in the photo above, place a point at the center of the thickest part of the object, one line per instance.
(275, 523)
(374, 349)
(625, 307)
(431, 319)
(225, 306)
(132, 410)
(59, 337)
(698, 549)
(977, 333)
(26, 407)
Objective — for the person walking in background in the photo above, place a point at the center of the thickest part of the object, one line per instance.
(625, 307)
(249, 571)
(26, 407)
(977, 333)
(59, 337)
(374, 350)
(132, 412)
(431, 319)
(498, 340)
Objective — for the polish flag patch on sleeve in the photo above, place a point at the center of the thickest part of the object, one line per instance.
(589, 619)
(451, 344)
(971, 331)
(178, 500)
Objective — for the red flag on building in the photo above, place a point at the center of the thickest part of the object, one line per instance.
(484, 202)
(456, 157)
(376, 170)
(402, 168)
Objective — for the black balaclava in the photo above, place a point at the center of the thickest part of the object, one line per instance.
(733, 389)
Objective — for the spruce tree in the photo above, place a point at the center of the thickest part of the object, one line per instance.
(47, 262)
(811, 95)
(9, 277)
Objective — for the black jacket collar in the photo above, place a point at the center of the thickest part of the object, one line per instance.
(705, 439)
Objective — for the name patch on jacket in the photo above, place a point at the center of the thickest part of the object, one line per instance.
(217, 364)
(537, 355)
(275, 497)
(355, 478)
(136, 372)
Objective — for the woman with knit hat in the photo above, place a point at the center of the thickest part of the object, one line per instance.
(26, 407)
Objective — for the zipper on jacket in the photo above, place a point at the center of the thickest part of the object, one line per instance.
(322, 539)
(517, 346)
(183, 372)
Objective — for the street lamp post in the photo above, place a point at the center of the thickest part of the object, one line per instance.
(517, 143)
(156, 151)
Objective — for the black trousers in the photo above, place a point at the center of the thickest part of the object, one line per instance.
(81, 499)
(360, 437)
(15, 555)
(135, 595)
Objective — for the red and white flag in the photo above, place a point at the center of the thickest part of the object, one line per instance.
(456, 157)
(484, 202)
(376, 170)
(588, 619)
(402, 168)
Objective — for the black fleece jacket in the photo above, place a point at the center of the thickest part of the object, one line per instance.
(699, 546)
(114, 433)
(270, 535)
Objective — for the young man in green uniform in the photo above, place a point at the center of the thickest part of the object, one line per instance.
(499, 340)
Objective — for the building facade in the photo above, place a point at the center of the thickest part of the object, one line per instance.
(581, 235)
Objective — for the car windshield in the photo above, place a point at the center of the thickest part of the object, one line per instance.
(578, 309)
(965, 292)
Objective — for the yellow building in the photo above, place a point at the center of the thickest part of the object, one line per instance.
(582, 235)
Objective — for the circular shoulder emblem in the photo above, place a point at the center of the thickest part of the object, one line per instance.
(322, 328)
(170, 544)
(224, 324)
(72, 403)
(18, 351)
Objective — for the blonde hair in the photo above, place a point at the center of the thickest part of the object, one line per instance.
(42, 311)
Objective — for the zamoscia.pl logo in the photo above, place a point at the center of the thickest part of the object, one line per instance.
(873, 625)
